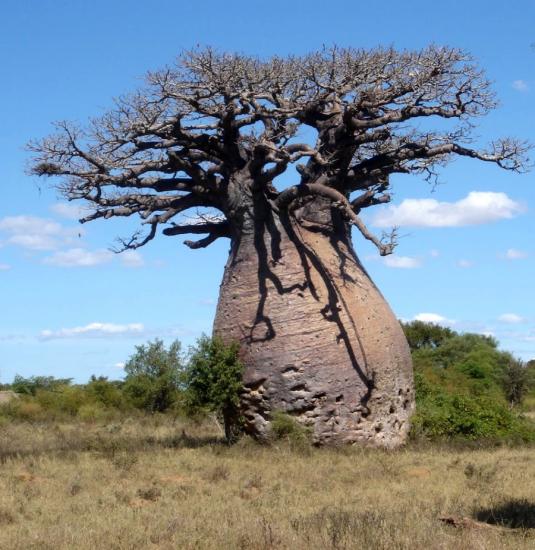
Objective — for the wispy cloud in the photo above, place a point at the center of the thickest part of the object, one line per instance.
(402, 262)
(515, 254)
(511, 318)
(131, 258)
(79, 257)
(47, 235)
(520, 85)
(35, 233)
(434, 318)
(94, 330)
(476, 208)
(465, 263)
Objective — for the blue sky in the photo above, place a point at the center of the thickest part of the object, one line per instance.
(71, 308)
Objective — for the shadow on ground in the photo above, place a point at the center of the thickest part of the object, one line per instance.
(515, 514)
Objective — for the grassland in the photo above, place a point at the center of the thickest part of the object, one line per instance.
(155, 482)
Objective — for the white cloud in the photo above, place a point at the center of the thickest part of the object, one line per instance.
(119, 365)
(94, 330)
(520, 85)
(402, 262)
(511, 318)
(515, 254)
(35, 233)
(69, 210)
(79, 257)
(132, 258)
(34, 242)
(433, 318)
(464, 263)
(29, 224)
(4, 267)
(434, 253)
(476, 208)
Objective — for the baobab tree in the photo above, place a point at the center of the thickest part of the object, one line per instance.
(212, 134)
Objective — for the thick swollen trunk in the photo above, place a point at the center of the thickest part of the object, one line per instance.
(318, 339)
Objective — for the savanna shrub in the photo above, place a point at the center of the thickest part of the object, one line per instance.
(30, 386)
(64, 401)
(517, 380)
(213, 381)
(107, 393)
(285, 427)
(460, 389)
(24, 409)
(153, 376)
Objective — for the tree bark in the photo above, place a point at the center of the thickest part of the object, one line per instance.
(318, 340)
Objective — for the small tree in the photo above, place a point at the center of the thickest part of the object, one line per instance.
(105, 392)
(213, 380)
(425, 335)
(153, 374)
(516, 381)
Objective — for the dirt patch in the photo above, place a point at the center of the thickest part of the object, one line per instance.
(28, 477)
(419, 472)
(175, 479)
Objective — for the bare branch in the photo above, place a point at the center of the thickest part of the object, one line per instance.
(221, 228)
(202, 243)
(216, 129)
(339, 201)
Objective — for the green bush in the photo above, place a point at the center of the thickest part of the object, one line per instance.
(23, 409)
(153, 376)
(107, 393)
(30, 386)
(285, 427)
(213, 381)
(64, 401)
(46, 398)
(468, 417)
(463, 387)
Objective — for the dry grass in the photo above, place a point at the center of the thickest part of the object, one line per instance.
(162, 484)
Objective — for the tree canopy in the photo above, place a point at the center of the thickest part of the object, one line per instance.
(153, 375)
(215, 129)
(466, 386)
